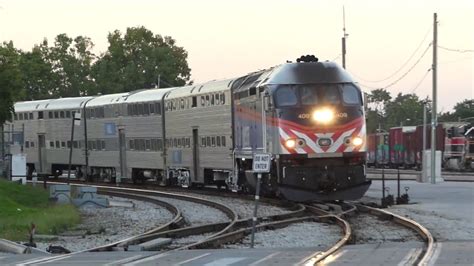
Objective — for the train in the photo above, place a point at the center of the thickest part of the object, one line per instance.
(308, 115)
(403, 146)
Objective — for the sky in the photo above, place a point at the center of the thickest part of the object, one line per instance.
(388, 43)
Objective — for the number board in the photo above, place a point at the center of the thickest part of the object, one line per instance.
(261, 163)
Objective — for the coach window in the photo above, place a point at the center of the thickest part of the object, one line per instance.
(203, 142)
(152, 108)
(207, 100)
(51, 144)
(146, 109)
(61, 114)
(103, 144)
(142, 144)
(40, 115)
(213, 140)
(57, 144)
(208, 141)
(74, 144)
(179, 143)
(160, 144)
(153, 144)
(31, 116)
(223, 141)
(223, 98)
(93, 115)
(182, 104)
(27, 144)
(218, 141)
(194, 102)
(20, 117)
(252, 91)
(137, 144)
(50, 115)
(147, 145)
(203, 101)
(131, 144)
(158, 108)
(212, 99)
(69, 144)
(63, 144)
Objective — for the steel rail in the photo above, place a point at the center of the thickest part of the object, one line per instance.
(317, 257)
(130, 192)
(423, 257)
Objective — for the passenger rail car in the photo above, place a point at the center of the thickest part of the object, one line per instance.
(308, 115)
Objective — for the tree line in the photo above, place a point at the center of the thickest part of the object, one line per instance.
(68, 67)
(385, 111)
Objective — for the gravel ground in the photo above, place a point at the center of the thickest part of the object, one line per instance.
(111, 224)
(368, 229)
(442, 225)
(195, 213)
(305, 234)
(244, 208)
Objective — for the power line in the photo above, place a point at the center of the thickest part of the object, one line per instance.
(402, 76)
(456, 50)
(409, 70)
(400, 68)
(422, 79)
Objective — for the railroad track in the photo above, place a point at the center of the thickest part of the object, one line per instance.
(173, 228)
(349, 209)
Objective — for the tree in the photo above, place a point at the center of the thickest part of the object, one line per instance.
(71, 61)
(135, 60)
(376, 114)
(10, 80)
(406, 110)
(38, 76)
(463, 111)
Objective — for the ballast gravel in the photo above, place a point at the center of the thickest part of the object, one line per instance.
(102, 226)
(305, 234)
(368, 229)
(244, 208)
(196, 213)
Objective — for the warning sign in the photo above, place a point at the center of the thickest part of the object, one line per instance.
(261, 162)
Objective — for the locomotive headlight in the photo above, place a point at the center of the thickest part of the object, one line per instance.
(290, 143)
(323, 115)
(357, 141)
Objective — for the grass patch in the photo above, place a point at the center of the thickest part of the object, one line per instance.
(22, 205)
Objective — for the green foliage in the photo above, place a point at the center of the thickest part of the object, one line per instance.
(134, 61)
(10, 80)
(23, 205)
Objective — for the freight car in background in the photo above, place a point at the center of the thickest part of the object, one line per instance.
(404, 146)
(378, 151)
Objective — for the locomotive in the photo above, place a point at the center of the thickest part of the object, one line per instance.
(308, 115)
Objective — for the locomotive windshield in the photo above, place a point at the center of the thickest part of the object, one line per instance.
(311, 94)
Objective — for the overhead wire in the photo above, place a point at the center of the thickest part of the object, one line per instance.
(419, 82)
(456, 50)
(400, 68)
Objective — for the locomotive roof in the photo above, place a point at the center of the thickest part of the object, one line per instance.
(208, 87)
(308, 72)
(107, 99)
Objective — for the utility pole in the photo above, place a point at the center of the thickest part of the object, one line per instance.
(344, 38)
(434, 118)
